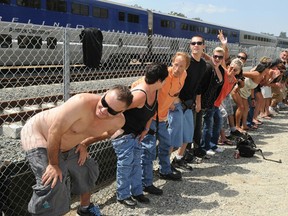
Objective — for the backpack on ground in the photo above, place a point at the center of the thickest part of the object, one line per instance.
(247, 147)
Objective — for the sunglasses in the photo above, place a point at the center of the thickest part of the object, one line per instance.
(109, 109)
(198, 43)
(241, 57)
(217, 56)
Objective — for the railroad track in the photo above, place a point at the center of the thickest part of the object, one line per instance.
(24, 115)
(40, 75)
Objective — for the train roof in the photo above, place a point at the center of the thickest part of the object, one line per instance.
(119, 4)
(258, 34)
(194, 20)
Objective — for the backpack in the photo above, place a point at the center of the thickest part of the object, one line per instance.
(247, 147)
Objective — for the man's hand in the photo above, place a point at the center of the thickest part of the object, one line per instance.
(52, 173)
(83, 154)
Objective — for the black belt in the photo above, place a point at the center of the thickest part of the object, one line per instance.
(151, 132)
(124, 134)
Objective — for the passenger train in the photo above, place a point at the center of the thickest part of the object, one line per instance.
(112, 16)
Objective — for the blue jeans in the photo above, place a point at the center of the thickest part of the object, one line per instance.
(212, 123)
(128, 175)
(181, 126)
(149, 153)
(147, 158)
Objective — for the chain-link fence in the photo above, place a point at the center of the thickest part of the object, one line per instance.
(41, 66)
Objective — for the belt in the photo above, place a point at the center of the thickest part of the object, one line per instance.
(151, 132)
(125, 134)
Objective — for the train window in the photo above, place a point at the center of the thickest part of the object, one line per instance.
(167, 24)
(214, 31)
(29, 3)
(121, 16)
(233, 34)
(56, 5)
(184, 26)
(133, 18)
(193, 28)
(200, 29)
(5, 1)
(172, 24)
(51, 42)
(80, 9)
(5, 41)
(29, 42)
(100, 12)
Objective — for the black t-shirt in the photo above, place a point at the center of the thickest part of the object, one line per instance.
(192, 86)
(211, 86)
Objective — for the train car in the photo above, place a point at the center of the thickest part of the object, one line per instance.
(105, 15)
(249, 39)
(179, 27)
(282, 42)
(26, 44)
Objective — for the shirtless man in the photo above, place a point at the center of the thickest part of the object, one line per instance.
(56, 144)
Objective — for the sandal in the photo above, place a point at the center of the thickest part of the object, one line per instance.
(257, 122)
(226, 142)
(266, 117)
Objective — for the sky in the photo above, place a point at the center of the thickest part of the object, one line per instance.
(251, 15)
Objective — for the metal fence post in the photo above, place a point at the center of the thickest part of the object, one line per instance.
(66, 71)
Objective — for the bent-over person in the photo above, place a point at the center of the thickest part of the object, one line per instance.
(56, 140)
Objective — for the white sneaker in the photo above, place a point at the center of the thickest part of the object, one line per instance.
(272, 111)
(219, 150)
(210, 152)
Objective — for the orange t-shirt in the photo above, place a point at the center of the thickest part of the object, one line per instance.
(226, 89)
(171, 87)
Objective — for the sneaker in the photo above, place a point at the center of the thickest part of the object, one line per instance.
(92, 210)
(181, 164)
(175, 175)
(236, 133)
(129, 202)
(218, 150)
(153, 190)
(210, 152)
(189, 156)
(272, 111)
(141, 198)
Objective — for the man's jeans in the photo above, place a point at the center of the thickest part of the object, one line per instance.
(181, 126)
(149, 153)
(212, 124)
(128, 150)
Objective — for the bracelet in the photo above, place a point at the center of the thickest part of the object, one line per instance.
(146, 129)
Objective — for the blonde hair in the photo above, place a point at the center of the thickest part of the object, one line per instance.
(265, 59)
(237, 62)
(185, 55)
(219, 49)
